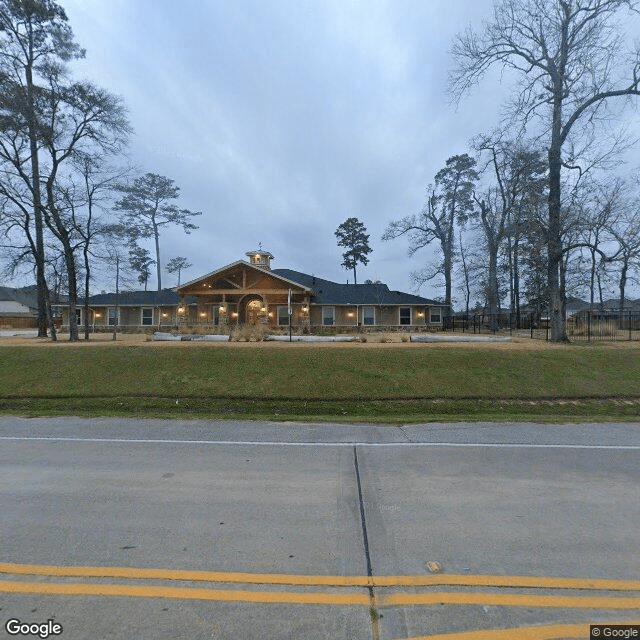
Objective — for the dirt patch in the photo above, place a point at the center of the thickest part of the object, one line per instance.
(374, 341)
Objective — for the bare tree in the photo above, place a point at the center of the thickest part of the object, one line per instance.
(448, 203)
(569, 64)
(624, 228)
(87, 193)
(514, 172)
(33, 36)
(80, 118)
(465, 269)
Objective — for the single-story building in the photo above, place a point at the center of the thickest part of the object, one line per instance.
(130, 310)
(251, 292)
(18, 307)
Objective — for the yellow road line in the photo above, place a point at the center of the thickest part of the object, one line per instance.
(549, 632)
(289, 597)
(183, 593)
(541, 582)
(507, 600)
(186, 576)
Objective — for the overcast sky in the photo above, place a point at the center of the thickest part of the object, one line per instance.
(279, 119)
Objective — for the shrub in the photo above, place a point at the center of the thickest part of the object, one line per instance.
(598, 328)
(250, 333)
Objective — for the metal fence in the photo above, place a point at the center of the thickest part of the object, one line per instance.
(598, 325)
(585, 325)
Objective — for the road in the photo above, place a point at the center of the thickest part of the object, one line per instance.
(118, 528)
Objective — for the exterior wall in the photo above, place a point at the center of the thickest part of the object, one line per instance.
(208, 314)
(384, 316)
(163, 316)
(388, 316)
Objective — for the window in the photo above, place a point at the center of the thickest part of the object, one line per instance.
(112, 317)
(147, 315)
(283, 316)
(435, 316)
(79, 316)
(405, 315)
(328, 315)
(368, 315)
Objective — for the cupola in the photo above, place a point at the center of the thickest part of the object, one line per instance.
(260, 258)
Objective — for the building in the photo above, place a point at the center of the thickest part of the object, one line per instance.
(251, 292)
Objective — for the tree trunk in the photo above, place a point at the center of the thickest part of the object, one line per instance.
(465, 271)
(592, 280)
(44, 305)
(158, 269)
(516, 279)
(448, 260)
(117, 300)
(61, 231)
(87, 277)
(70, 263)
(512, 293)
(558, 331)
(623, 282)
(493, 288)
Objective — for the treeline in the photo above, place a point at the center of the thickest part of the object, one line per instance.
(486, 216)
(66, 201)
(572, 66)
(526, 222)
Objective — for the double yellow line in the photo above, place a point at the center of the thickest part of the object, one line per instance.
(320, 597)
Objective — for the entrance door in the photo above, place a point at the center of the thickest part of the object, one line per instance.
(253, 312)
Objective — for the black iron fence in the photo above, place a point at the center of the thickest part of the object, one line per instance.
(598, 325)
(585, 325)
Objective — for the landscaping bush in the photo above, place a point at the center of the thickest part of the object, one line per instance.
(250, 333)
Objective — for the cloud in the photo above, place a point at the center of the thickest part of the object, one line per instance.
(281, 119)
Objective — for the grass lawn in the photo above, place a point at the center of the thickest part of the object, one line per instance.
(349, 383)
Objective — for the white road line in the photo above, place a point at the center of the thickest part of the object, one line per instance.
(472, 445)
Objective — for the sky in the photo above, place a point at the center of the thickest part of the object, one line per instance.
(281, 119)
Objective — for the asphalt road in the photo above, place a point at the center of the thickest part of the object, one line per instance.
(154, 529)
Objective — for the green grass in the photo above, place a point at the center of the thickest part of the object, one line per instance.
(350, 383)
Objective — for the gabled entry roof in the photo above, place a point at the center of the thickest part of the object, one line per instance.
(235, 277)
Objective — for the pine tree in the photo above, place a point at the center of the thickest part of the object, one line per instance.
(352, 235)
